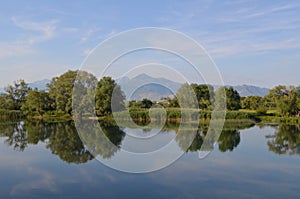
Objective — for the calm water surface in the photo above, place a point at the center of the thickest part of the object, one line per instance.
(48, 160)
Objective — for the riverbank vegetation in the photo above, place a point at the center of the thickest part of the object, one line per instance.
(282, 104)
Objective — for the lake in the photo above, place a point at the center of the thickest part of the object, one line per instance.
(48, 160)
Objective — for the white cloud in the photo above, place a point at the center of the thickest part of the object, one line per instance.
(89, 34)
(46, 29)
(43, 31)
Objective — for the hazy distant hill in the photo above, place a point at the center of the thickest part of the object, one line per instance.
(246, 90)
(40, 85)
(145, 86)
(155, 90)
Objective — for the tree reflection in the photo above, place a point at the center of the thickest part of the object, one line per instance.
(15, 134)
(190, 140)
(286, 140)
(61, 138)
(228, 140)
(104, 139)
(65, 142)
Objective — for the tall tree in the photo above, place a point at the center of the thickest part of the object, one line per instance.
(16, 94)
(37, 102)
(233, 99)
(287, 104)
(108, 93)
(285, 99)
(186, 97)
(61, 89)
(204, 94)
(3, 101)
(251, 102)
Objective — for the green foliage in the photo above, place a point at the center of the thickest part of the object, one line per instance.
(204, 94)
(10, 114)
(16, 94)
(251, 102)
(145, 103)
(37, 102)
(233, 99)
(170, 102)
(261, 110)
(60, 91)
(108, 92)
(4, 101)
(187, 97)
(240, 115)
(285, 99)
(287, 104)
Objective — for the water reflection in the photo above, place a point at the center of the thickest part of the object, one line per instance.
(286, 140)
(63, 140)
(104, 141)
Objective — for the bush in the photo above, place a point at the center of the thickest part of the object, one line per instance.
(261, 110)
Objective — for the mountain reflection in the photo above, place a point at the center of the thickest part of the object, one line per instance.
(104, 140)
(286, 140)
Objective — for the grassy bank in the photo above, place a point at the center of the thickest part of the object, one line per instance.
(185, 115)
(10, 115)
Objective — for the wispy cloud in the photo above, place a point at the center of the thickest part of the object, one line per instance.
(33, 33)
(88, 34)
(273, 10)
(46, 30)
(44, 180)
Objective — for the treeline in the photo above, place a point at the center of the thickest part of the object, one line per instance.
(282, 101)
(57, 99)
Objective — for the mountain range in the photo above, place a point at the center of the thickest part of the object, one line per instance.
(145, 86)
(155, 88)
(40, 85)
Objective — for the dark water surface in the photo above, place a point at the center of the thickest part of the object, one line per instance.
(48, 160)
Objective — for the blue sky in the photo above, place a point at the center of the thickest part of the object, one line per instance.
(252, 42)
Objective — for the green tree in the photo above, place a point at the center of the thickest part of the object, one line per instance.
(287, 104)
(204, 94)
(233, 99)
(271, 100)
(37, 102)
(187, 97)
(285, 99)
(251, 102)
(16, 94)
(170, 102)
(108, 92)
(61, 89)
(145, 103)
(3, 101)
